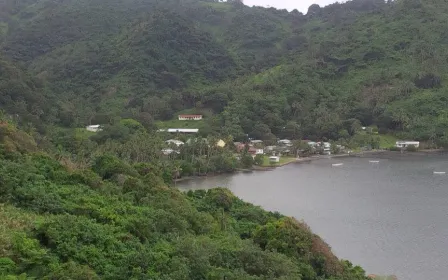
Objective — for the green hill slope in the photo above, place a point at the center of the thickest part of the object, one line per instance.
(263, 72)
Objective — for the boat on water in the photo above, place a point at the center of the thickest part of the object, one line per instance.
(439, 172)
(337, 164)
(374, 161)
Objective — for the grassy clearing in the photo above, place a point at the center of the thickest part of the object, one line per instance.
(83, 133)
(181, 124)
(387, 141)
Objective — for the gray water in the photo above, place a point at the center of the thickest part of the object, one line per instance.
(389, 217)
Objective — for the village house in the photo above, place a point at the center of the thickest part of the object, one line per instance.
(274, 159)
(312, 144)
(196, 141)
(251, 149)
(168, 152)
(175, 142)
(94, 128)
(285, 142)
(256, 142)
(190, 117)
(239, 146)
(180, 130)
(221, 143)
(405, 144)
(327, 148)
(270, 148)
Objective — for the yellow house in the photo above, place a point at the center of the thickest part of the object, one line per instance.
(221, 143)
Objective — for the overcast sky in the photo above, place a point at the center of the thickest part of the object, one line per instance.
(301, 5)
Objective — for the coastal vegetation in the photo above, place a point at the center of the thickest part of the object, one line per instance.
(116, 220)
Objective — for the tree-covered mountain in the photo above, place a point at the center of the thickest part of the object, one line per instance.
(261, 72)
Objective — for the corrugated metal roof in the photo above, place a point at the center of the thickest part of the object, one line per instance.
(180, 130)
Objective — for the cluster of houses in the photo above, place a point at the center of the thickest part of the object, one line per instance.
(284, 146)
(173, 145)
(255, 147)
(324, 146)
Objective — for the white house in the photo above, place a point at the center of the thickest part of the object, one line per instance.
(270, 148)
(180, 130)
(190, 117)
(405, 144)
(256, 142)
(175, 142)
(93, 128)
(259, 152)
(312, 144)
(167, 152)
(274, 159)
(327, 148)
(285, 142)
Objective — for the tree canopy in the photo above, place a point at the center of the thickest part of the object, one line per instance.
(116, 220)
(257, 70)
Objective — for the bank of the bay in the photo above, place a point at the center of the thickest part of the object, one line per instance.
(299, 160)
(377, 209)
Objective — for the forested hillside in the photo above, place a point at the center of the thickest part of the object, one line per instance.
(81, 205)
(121, 221)
(261, 72)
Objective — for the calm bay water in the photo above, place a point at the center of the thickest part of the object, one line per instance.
(390, 217)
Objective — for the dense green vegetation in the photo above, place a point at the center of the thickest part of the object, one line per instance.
(80, 205)
(261, 72)
(115, 220)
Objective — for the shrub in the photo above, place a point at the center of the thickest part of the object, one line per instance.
(246, 161)
(258, 160)
(7, 266)
(107, 166)
(86, 177)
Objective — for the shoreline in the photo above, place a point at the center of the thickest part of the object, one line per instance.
(314, 158)
(319, 157)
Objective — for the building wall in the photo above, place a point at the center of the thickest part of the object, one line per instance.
(93, 129)
(407, 144)
(195, 118)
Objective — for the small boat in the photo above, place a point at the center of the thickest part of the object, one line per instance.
(374, 161)
(337, 164)
(439, 172)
